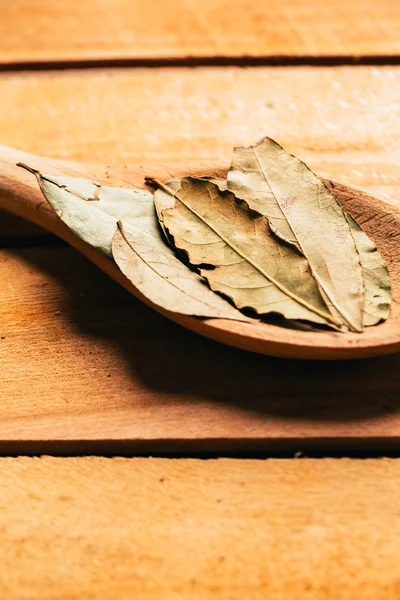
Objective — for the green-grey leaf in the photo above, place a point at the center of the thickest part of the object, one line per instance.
(377, 292)
(252, 267)
(376, 277)
(303, 212)
(91, 210)
(164, 279)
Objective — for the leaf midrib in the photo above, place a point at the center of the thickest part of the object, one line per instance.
(348, 320)
(122, 231)
(304, 303)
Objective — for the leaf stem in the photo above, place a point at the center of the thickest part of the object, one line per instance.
(159, 185)
(28, 168)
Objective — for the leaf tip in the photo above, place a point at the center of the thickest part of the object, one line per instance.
(28, 168)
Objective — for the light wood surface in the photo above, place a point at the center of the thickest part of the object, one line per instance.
(98, 528)
(134, 115)
(124, 29)
(344, 122)
(85, 367)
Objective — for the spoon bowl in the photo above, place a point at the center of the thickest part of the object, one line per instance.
(20, 195)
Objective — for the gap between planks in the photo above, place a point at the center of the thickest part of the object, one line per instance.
(137, 29)
(204, 61)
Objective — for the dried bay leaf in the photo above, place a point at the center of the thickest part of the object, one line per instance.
(91, 210)
(252, 267)
(377, 290)
(263, 246)
(303, 212)
(164, 279)
(376, 277)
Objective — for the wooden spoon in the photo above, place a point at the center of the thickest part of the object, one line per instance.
(20, 195)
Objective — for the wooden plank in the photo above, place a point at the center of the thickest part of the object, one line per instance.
(124, 29)
(87, 368)
(100, 528)
(106, 368)
(343, 121)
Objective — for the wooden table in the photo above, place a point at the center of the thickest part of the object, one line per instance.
(86, 369)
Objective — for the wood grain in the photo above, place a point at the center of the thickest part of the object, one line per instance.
(87, 368)
(344, 122)
(98, 528)
(124, 29)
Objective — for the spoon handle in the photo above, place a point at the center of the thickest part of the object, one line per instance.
(19, 190)
(20, 195)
